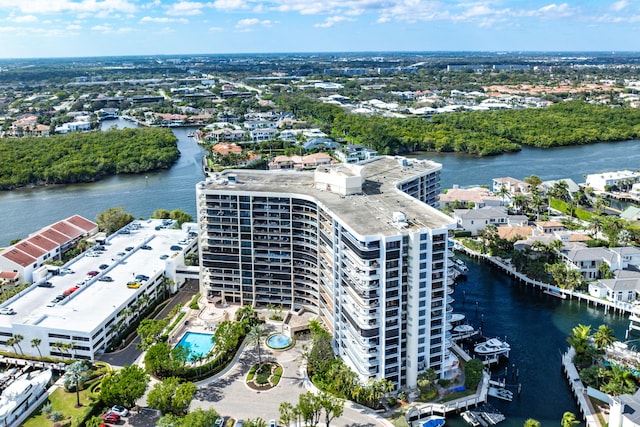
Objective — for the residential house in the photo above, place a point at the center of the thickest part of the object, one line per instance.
(353, 153)
(259, 124)
(624, 410)
(605, 181)
(476, 220)
(264, 134)
(226, 134)
(549, 226)
(323, 143)
(589, 260)
(464, 197)
(572, 187)
(8, 280)
(301, 162)
(513, 186)
(618, 289)
(75, 126)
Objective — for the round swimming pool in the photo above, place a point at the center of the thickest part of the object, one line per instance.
(278, 341)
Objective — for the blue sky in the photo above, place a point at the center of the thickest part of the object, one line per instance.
(66, 28)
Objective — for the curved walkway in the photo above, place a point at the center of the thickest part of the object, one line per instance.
(229, 395)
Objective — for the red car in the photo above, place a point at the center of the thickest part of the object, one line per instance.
(110, 417)
(93, 273)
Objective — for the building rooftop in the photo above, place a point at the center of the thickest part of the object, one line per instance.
(370, 212)
(94, 300)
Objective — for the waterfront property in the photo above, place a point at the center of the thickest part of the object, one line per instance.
(357, 245)
(79, 313)
(28, 256)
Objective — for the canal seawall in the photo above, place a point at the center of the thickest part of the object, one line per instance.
(617, 307)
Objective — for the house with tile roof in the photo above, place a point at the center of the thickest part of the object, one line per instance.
(26, 256)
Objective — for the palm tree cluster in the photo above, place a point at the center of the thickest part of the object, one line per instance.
(609, 377)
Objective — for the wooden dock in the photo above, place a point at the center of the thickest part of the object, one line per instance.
(615, 307)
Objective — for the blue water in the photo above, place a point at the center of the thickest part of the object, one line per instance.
(434, 423)
(278, 341)
(536, 326)
(198, 344)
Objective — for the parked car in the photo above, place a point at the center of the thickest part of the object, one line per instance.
(103, 266)
(7, 310)
(219, 422)
(239, 423)
(45, 284)
(66, 271)
(93, 273)
(142, 277)
(119, 410)
(105, 279)
(128, 248)
(134, 285)
(146, 247)
(165, 256)
(175, 248)
(110, 417)
(273, 423)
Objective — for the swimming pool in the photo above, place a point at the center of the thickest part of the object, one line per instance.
(198, 344)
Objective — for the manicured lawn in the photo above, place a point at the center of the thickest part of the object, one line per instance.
(66, 404)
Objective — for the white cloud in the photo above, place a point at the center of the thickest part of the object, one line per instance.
(62, 6)
(187, 8)
(332, 20)
(250, 23)
(230, 4)
(619, 5)
(216, 29)
(73, 27)
(163, 20)
(102, 28)
(22, 19)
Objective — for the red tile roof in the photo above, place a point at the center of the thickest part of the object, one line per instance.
(54, 235)
(30, 249)
(67, 229)
(43, 242)
(82, 223)
(10, 275)
(18, 257)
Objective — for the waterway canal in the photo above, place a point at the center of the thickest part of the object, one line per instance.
(536, 325)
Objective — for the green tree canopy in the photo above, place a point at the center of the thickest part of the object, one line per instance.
(124, 387)
(170, 396)
(113, 219)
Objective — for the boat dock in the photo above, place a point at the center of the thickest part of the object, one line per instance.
(616, 307)
(484, 416)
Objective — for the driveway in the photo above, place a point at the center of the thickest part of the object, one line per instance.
(229, 395)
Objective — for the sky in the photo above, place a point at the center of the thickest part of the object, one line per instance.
(78, 28)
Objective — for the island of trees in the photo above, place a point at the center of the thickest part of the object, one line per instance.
(84, 157)
(480, 132)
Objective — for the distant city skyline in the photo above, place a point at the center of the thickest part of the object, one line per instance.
(78, 28)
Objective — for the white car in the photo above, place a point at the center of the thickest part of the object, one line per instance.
(119, 410)
(7, 310)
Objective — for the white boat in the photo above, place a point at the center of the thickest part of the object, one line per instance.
(456, 318)
(501, 393)
(462, 332)
(21, 394)
(459, 265)
(492, 347)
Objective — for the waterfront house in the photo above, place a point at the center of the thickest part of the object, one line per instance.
(632, 213)
(226, 134)
(476, 197)
(612, 180)
(476, 220)
(26, 256)
(624, 410)
(572, 187)
(589, 260)
(618, 289)
(301, 162)
(549, 226)
(513, 186)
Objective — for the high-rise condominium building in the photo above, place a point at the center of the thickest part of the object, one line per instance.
(358, 245)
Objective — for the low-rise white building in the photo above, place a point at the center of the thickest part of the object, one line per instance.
(603, 181)
(92, 311)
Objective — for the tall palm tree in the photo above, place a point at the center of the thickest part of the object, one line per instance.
(36, 343)
(603, 337)
(12, 342)
(254, 336)
(579, 338)
(18, 339)
(503, 193)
